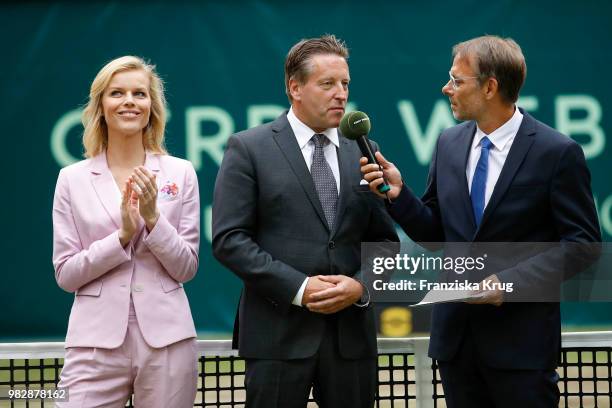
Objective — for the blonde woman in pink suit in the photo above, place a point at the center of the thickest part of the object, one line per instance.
(125, 239)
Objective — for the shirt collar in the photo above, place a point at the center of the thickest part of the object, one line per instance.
(503, 134)
(303, 133)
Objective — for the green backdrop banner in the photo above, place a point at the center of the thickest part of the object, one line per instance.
(223, 67)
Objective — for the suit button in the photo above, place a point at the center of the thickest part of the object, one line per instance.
(138, 288)
(331, 245)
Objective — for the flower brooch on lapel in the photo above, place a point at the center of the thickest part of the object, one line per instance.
(169, 191)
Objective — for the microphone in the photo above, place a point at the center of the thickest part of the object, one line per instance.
(356, 126)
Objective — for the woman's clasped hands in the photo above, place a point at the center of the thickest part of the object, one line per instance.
(139, 199)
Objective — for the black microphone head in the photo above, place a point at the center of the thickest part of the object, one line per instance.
(354, 125)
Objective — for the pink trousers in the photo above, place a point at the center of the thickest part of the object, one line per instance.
(166, 377)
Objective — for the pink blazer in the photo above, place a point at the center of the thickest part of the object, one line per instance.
(89, 260)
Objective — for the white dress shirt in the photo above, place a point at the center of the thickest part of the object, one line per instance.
(304, 135)
(502, 139)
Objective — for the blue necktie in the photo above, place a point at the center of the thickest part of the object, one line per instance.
(479, 181)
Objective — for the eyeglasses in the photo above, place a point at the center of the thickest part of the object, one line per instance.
(456, 81)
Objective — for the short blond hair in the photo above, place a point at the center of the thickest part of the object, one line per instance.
(95, 136)
(298, 63)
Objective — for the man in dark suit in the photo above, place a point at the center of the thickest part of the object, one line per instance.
(501, 176)
(289, 215)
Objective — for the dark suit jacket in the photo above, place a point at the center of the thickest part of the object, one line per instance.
(543, 194)
(269, 229)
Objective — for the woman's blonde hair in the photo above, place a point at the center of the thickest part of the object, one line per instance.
(95, 136)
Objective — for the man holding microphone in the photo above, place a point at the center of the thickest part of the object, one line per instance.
(500, 176)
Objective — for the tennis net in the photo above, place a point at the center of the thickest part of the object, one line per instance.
(406, 376)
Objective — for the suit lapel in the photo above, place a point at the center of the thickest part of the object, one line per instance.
(152, 164)
(520, 147)
(105, 187)
(286, 141)
(344, 165)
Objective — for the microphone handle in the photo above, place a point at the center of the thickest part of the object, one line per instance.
(368, 152)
